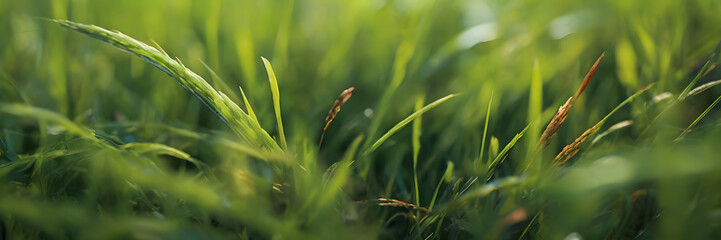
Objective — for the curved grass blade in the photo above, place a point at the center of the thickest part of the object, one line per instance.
(276, 101)
(502, 155)
(710, 64)
(160, 149)
(407, 120)
(703, 114)
(612, 129)
(49, 116)
(242, 124)
(247, 105)
(703, 88)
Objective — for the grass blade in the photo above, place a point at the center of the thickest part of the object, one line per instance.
(703, 114)
(161, 149)
(248, 108)
(407, 120)
(245, 127)
(485, 131)
(416, 142)
(535, 105)
(447, 176)
(703, 88)
(502, 155)
(50, 117)
(276, 101)
(707, 67)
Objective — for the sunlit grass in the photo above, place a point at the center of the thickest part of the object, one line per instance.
(96, 144)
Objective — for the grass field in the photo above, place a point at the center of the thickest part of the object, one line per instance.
(360, 119)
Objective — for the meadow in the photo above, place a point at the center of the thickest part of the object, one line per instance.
(360, 119)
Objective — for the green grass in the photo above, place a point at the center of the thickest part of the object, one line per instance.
(439, 140)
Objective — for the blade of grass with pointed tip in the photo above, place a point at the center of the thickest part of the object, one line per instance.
(416, 141)
(340, 173)
(703, 114)
(276, 101)
(245, 127)
(404, 53)
(710, 64)
(535, 104)
(160, 149)
(50, 117)
(407, 120)
(219, 83)
(248, 108)
(479, 163)
(446, 175)
(703, 88)
(502, 155)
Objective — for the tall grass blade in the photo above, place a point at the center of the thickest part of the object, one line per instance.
(447, 175)
(416, 142)
(695, 121)
(161, 149)
(248, 108)
(479, 162)
(502, 155)
(407, 120)
(48, 116)
(535, 105)
(245, 127)
(276, 101)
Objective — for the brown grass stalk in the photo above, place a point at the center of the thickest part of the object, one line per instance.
(344, 96)
(572, 149)
(562, 113)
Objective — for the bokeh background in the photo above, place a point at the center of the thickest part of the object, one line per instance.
(392, 52)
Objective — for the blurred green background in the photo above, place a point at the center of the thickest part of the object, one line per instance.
(392, 52)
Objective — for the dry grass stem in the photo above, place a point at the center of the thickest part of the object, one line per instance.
(572, 149)
(344, 96)
(562, 113)
(389, 202)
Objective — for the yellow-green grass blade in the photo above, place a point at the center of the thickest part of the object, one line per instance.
(338, 173)
(707, 67)
(247, 105)
(703, 114)
(485, 131)
(160, 149)
(416, 142)
(276, 100)
(404, 53)
(242, 124)
(703, 88)
(48, 116)
(535, 105)
(502, 155)
(407, 120)
(447, 177)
